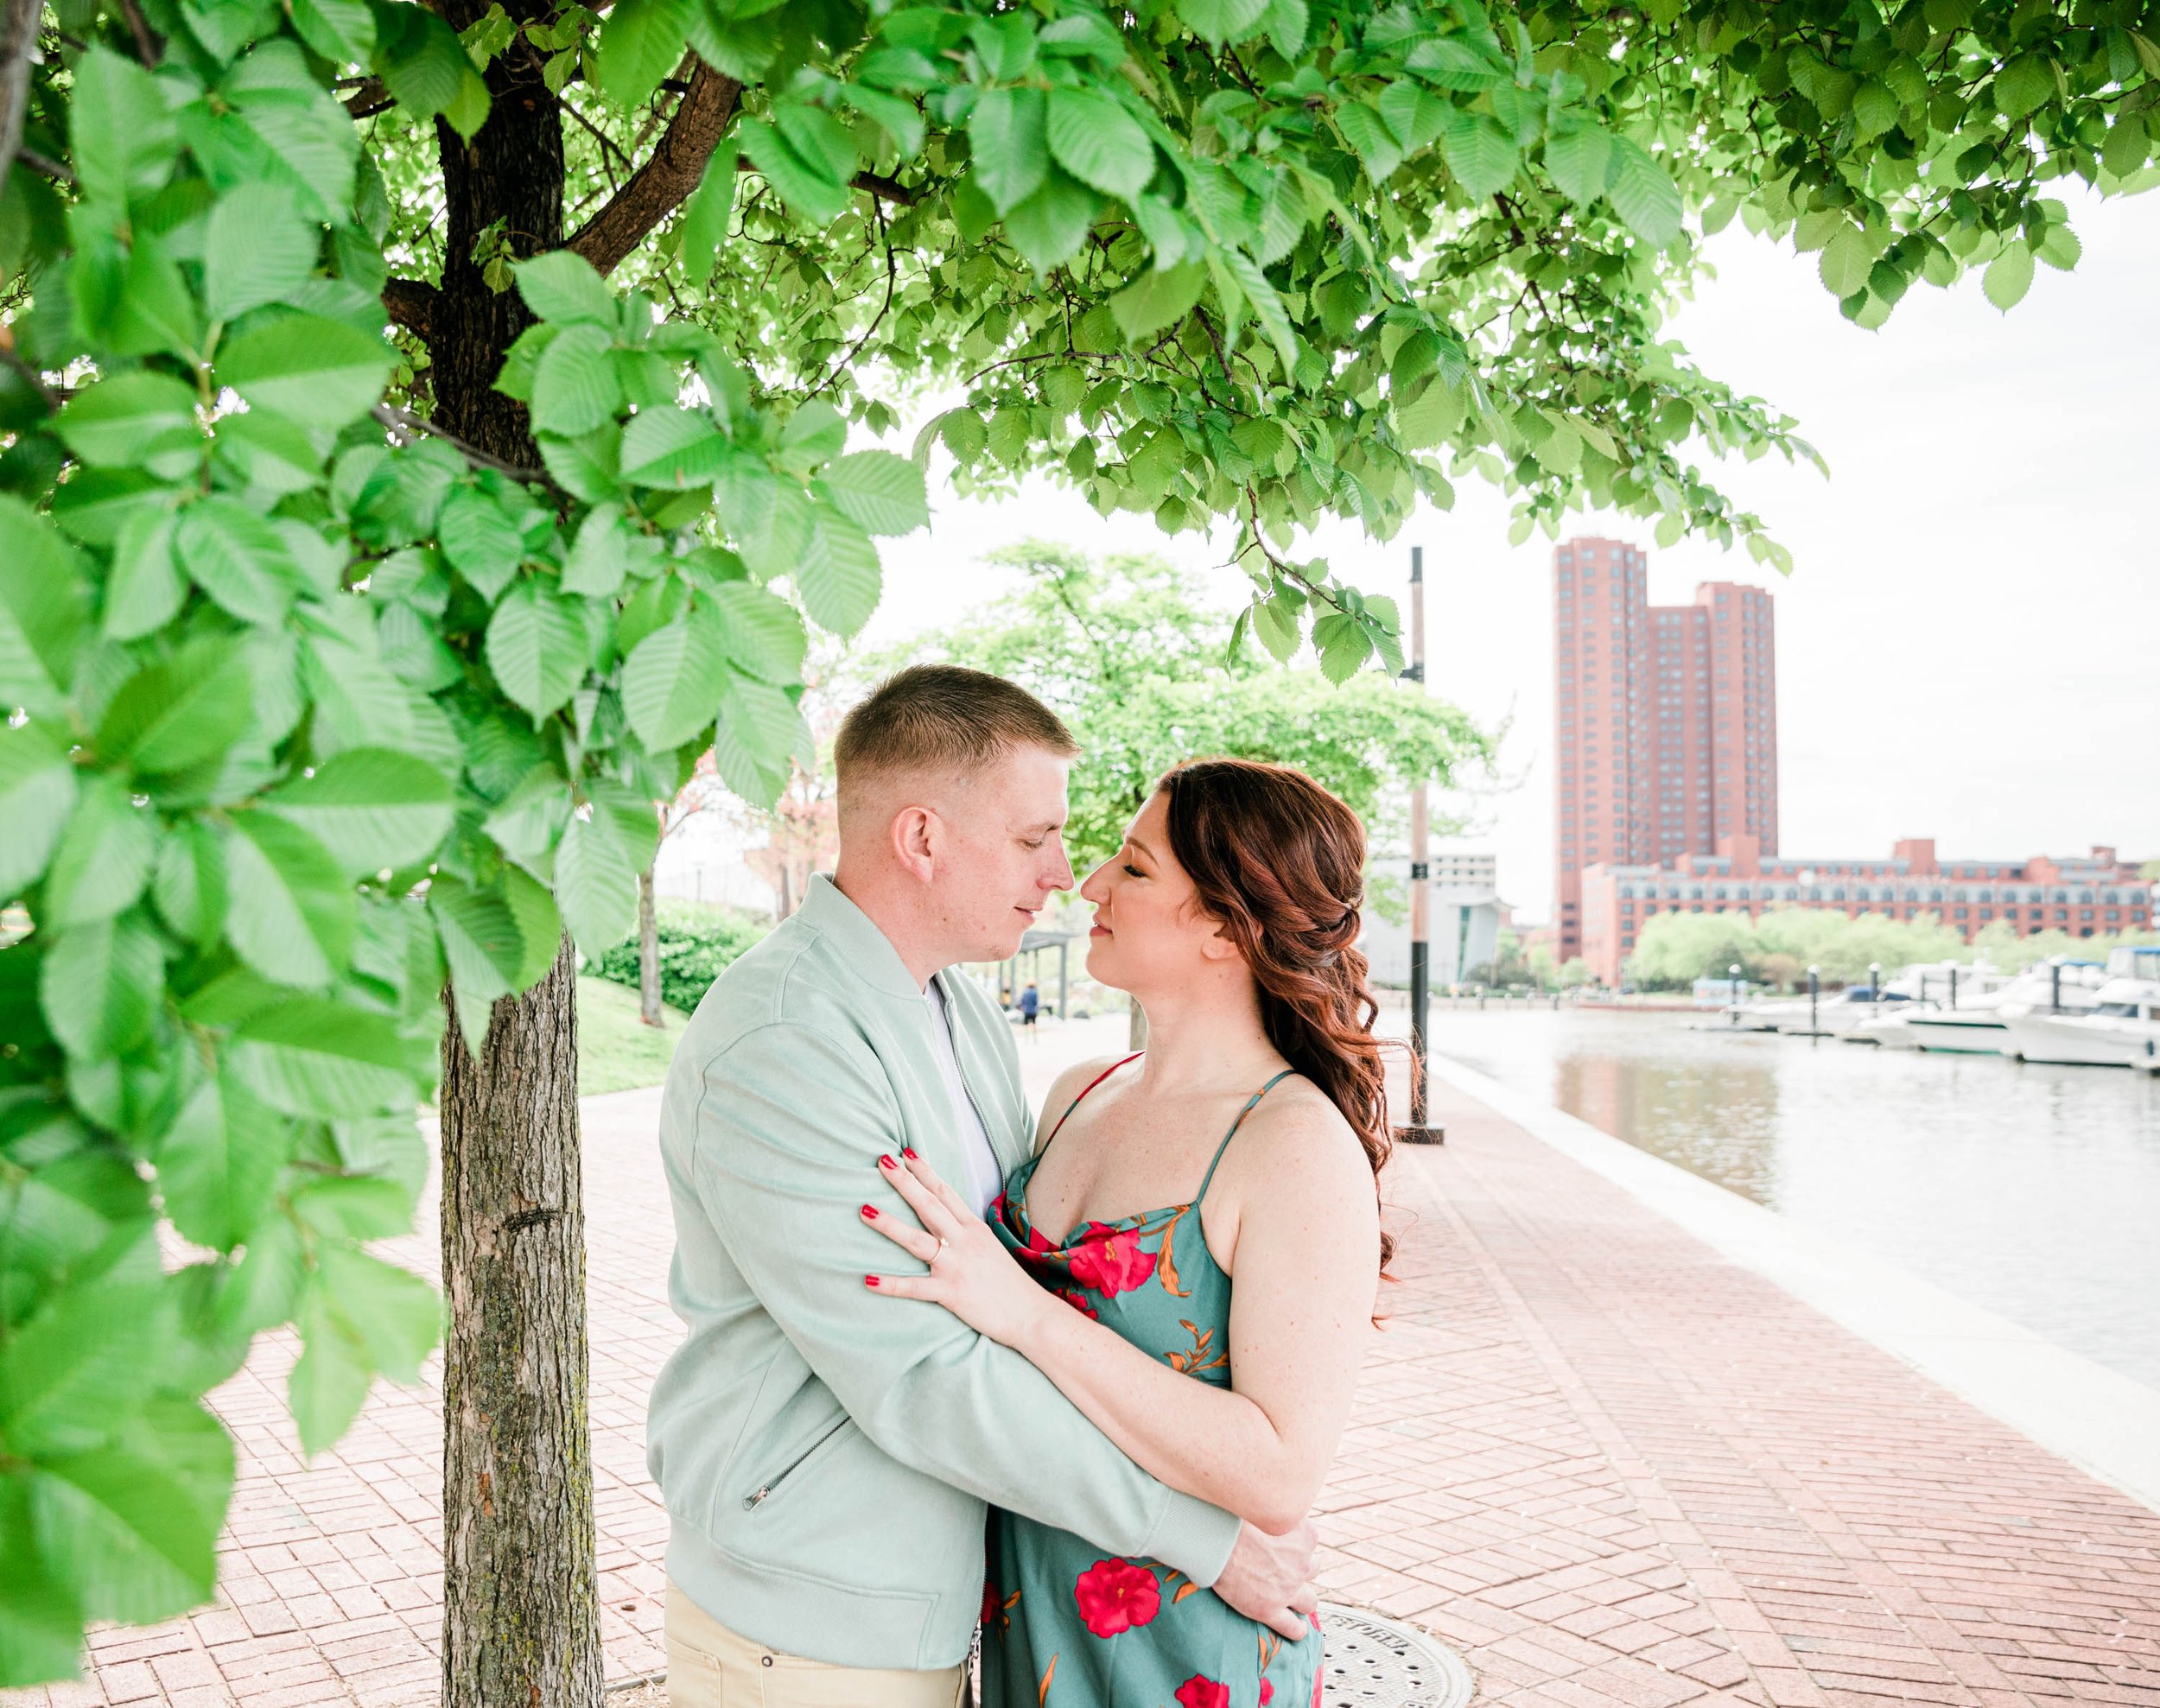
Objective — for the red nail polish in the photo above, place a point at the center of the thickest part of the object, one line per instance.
(869, 1281)
(870, 1212)
(909, 1155)
(887, 1162)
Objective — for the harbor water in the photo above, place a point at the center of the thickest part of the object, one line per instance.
(2028, 1190)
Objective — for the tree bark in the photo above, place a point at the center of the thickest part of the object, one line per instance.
(520, 1614)
(648, 952)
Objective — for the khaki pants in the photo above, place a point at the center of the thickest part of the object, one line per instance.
(710, 1666)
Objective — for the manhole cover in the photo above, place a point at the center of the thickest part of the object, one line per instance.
(1372, 1662)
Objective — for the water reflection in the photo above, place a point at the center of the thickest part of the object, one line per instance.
(2032, 1191)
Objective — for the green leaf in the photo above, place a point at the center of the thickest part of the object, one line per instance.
(426, 68)
(99, 984)
(671, 681)
(75, 1368)
(2009, 276)
(355, 1207)
(179, 710)
(481, 540)
(395, 1315)
(341, 31)
(562, 286)
(328, 1383)
(1343, 646)
(1846, 259)
(307, 369)
(2059, 248)
(677, 448)
(1482, 156)
(484, 946)
(272, 456)
(882, 493)
(599, 556)
(1099, 142)
(44, 609)
(1007, 134)
(122, 139)
(1643, 193)
(1414, 115)
(2022, 85)
(704, 223)
(839, 577)
(640, 43)
(536, 647)
(1368, 133)
(255, 250)
(1050, 226)
(105, 856)
(372, 808)
(1219, 20)
(1580, 162)
(1278, 627)
(292, 915)
(574, 386)
(315, 1058)
(1158, 298)
(189, 885)
(237, 557)
(130, 418)
(135, 1522)
(762, 633)
(37, 790)
(804, 185)
(760, 731)
(219, 1162)
(596, 869)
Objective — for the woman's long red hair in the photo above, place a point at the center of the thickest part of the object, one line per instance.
(1280, 864)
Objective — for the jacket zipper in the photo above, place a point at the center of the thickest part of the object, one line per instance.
(764, 1491)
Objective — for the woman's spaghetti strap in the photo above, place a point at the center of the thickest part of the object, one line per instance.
(1251, 1102)
(1084, 1089)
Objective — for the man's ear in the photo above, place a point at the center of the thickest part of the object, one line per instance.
(917, 840)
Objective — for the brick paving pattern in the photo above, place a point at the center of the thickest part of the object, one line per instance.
(1613, 1470)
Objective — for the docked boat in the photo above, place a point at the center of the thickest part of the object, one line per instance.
(2120, 1028)
(1831, 1012)
(1965, 1017)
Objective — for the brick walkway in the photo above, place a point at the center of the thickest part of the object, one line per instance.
(1613, 1469)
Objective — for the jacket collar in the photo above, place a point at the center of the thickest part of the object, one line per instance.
(865, 949)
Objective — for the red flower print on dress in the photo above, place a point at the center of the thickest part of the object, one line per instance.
(1115, 1594)
(1198, 1692)
(1111, 1261)
(1266, 1691)
(1079, 1302)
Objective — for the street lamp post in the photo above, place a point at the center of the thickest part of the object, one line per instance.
(1874, 983)
(1814, 987)
(1734, 970)
(1419, 1132)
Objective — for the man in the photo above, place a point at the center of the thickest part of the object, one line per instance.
(826, 1456)
(1031, 1006)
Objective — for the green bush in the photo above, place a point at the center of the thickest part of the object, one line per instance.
(692, 953)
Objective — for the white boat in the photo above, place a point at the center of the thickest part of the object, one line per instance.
(1795, 1013)
(1931, 989)
(2120, 1028)
(1974, 1025)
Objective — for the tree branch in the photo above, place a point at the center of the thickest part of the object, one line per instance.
(411, 304)
(370, 96)
(412, 425)
(671, 171)
(18, 39)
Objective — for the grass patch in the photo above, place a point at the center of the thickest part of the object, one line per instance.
(616, 1051)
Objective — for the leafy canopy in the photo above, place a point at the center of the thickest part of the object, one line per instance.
(309, 707)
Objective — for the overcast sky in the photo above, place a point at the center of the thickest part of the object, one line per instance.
(1969, 646)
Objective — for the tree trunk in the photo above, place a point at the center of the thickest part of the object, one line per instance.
(520, 1615)
(648, 952)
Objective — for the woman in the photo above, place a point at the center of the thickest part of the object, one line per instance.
(1216, 1339)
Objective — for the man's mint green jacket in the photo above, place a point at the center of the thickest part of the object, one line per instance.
(825, 1453)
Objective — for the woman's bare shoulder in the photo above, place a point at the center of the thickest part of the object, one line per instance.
(1296, 1138)
(1067, 1086)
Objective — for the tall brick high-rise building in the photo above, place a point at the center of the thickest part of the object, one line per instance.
(1666, 717)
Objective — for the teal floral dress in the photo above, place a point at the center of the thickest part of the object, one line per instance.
(1063, 1627)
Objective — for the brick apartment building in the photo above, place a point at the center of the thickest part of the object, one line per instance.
(1666, 719)
(2083, 896)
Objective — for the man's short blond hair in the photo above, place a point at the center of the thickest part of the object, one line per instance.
(944, 718)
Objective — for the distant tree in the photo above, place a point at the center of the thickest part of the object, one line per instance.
(1574, 974)
(1673, 950)
(1130, 656)
(1541, 965)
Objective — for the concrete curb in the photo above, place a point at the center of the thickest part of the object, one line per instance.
(2103, 1422)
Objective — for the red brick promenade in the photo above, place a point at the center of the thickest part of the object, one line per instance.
(1613, 1470)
